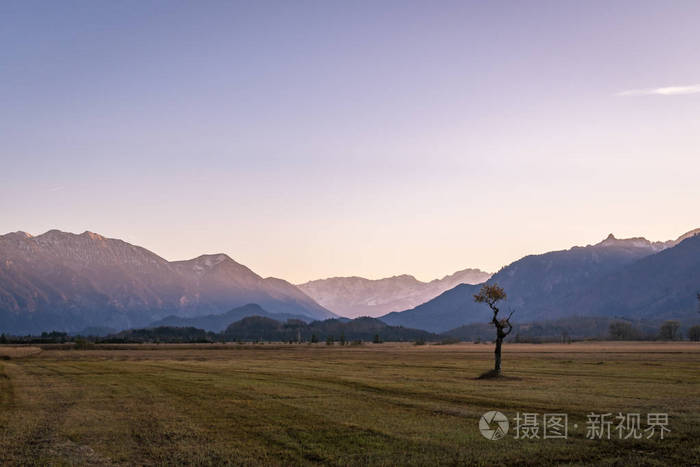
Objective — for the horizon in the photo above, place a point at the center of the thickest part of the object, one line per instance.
(321, 140)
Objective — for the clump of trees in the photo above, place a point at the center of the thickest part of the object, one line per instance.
(670, 331)
(491, 294)
(624, 331)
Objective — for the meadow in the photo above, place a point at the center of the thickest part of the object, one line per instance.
(370, 404)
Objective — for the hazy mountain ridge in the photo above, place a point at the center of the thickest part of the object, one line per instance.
(357, 296)
(578, 281)
(219, 322)
(66, 281)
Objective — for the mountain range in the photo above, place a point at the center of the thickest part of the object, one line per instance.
(357, 296)
(68, 282)
(65, 281)
(627, 278)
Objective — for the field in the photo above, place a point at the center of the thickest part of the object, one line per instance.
(376, 404)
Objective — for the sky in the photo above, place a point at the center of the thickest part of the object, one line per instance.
(309, 139)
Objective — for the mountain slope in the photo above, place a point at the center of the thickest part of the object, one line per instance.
(65, 281)
(216, 282)
(357, 296)
(661, 286)
(554, 285)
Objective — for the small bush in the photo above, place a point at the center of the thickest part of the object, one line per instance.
(694, 333)
(82, 344)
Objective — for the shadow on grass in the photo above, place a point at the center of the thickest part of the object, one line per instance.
(493, 374)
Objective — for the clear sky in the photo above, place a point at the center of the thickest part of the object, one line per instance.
(309, 139)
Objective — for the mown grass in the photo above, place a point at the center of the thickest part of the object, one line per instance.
(386, 404)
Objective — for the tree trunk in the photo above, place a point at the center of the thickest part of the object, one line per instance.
(497, 368)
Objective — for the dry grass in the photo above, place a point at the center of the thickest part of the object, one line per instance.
(382, 404)
(8, 352)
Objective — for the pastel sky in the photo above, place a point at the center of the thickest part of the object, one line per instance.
(309, 139)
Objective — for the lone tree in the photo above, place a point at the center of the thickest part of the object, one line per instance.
(491, 294)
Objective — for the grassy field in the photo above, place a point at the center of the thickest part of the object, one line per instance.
(377, 404)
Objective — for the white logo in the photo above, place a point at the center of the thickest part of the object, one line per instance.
(493, 425)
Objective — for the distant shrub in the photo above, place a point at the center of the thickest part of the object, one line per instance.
(82, 344)
(419, 341)
(314, 339)
(357, 342)
(377, 339)
(330, 340)
(694, 333)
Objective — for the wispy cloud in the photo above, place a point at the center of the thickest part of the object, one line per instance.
(56, 188)
(667, 91)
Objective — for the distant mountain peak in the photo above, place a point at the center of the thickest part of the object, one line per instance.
(54, 233)
(19, 234)
(92, 235)
(634, 242)
(212, 259)
(641, 242)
